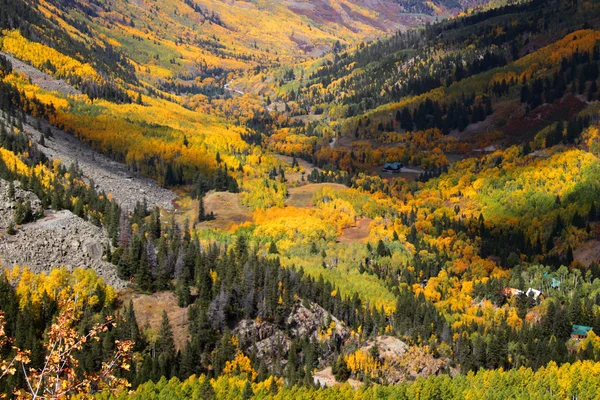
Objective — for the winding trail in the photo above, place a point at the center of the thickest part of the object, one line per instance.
(228, 87)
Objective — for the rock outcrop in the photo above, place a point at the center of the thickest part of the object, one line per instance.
(8, 204)
(304, 321)
(399, 362)
(389, 347)
(264, 337)
(59, 239)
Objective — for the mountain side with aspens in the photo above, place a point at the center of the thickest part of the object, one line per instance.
(299, 199)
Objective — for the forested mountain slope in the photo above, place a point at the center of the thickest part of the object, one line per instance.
(204, 39)
(469, 78)
(384, 219)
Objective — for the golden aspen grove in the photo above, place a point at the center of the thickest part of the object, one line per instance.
(320, 199)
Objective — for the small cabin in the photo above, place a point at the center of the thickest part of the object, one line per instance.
(511, 292)
(533, 293)
(393, 168)
(580, 332)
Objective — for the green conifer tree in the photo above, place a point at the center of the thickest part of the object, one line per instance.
(247, 392)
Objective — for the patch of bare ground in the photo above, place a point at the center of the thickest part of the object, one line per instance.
(227, 208)
(473, 129)
(148, 312)
(588, 252)
(302, 196)
(346, 142)
(521, 126)
(356, 233)
(386, 16)
(296, 177)
(306, 118)
(184, 210)
(325, 378)
(452, 158)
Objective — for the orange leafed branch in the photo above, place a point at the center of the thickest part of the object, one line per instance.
(58, 377)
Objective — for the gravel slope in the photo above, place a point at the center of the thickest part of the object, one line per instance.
(110, 176)
(42, 79)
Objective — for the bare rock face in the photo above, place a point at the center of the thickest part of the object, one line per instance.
(325, 378)
(8, 204)
(389, 347)
(59, 239)
(249, 330)
(265, 338)
(304, 321)
(399, 362)
(407, 362)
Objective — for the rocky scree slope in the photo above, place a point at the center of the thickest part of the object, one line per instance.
(59, 239)
(110, 176)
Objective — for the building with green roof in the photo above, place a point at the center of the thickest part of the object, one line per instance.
(580, 332)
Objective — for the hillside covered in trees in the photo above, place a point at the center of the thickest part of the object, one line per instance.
(360, 210)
